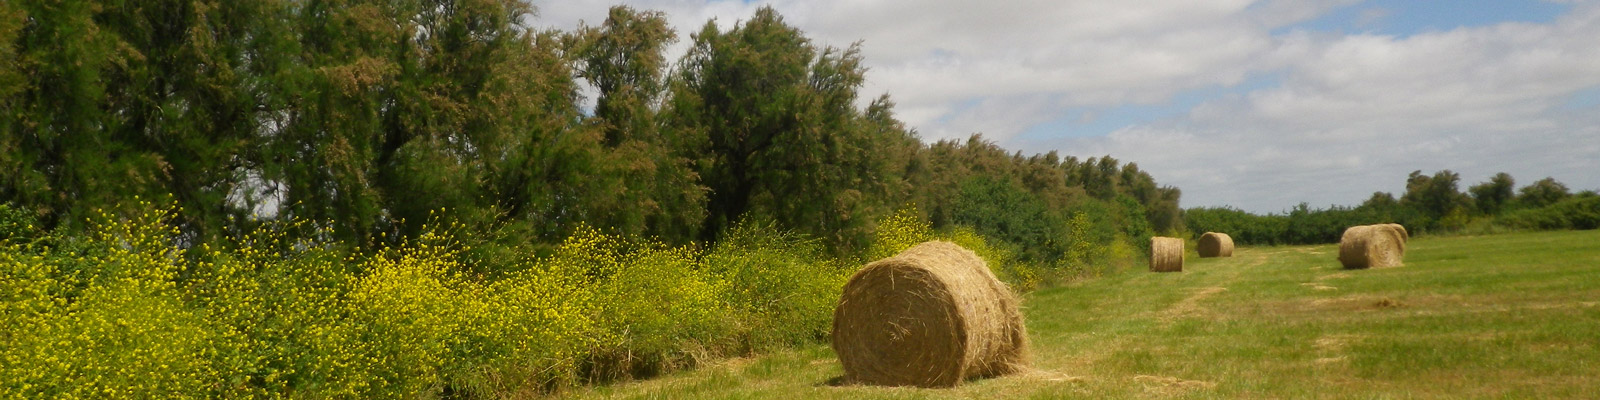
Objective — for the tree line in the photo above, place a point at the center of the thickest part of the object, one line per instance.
(1430, 204)
(373, 117)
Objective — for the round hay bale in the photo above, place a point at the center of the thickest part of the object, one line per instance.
(1404, 236)
(1371, 246)
(1214, 244)
(1166, 254)
(931, 316)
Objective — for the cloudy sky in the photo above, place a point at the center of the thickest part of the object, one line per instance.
(1260, 105)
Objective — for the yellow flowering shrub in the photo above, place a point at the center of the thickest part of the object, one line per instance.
(652, 305)
(285, 301)
(119, 330)
(781, 286)
(898, 232)
(127, 311)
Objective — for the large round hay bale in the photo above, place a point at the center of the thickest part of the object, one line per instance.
(1371, 246)
(1166, 254)
(931, 316)
(1213, 244)
(1404, 236)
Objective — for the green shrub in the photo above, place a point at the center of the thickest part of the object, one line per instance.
(1577, 212)
(781, 285)
(657, 307)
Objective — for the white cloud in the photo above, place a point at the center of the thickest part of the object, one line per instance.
(1356, 114)
(1352, 114)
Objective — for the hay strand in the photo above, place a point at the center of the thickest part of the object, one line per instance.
(1166, 254)
(932, 316)
(1371, 246)
(1213, 244)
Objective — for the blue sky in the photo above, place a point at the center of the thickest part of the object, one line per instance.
(1405, 18)
(1259, 105)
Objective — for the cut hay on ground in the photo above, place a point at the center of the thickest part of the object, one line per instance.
(1371, 246)
(1214, 244)
(1166, 254)
(931, 316)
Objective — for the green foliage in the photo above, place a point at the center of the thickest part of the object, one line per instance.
(370, 117)
(1431, 205)
(1436, 198)
(1014, 217)
(1301, 225)
(771, 120)
(1493, 196)
(1576, 212)
(1543, 192)
(781, 286)
(1086, 255)
(655, 191)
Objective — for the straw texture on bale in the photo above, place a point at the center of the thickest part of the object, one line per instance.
(1404, 236)
(1371, 246)
(1166, 254)
(931, 316)
(1214, 244)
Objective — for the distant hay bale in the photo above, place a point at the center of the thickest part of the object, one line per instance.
(931, 316)
(1166, 254)
(1213, 244)
(1371, 246)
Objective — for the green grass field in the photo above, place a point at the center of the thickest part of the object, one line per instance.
(1506, 316)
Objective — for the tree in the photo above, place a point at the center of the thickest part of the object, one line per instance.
(402, 109)
(1380, 201)
(657, 191)
(1543, 192)
(126, 99)
(770, 120)
(1436, 197)
(1491, 197)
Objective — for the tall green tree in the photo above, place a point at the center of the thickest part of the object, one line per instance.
(771, 120)
(657, 191)
(1436, 197)
(61, 155)
(1492, 197)
(405, 108)
(118, 99)
(1542, 193)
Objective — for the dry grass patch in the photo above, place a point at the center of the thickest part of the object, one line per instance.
(1190, 306)
(1167, 386)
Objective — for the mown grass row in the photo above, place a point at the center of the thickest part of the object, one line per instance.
(1502, 316)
